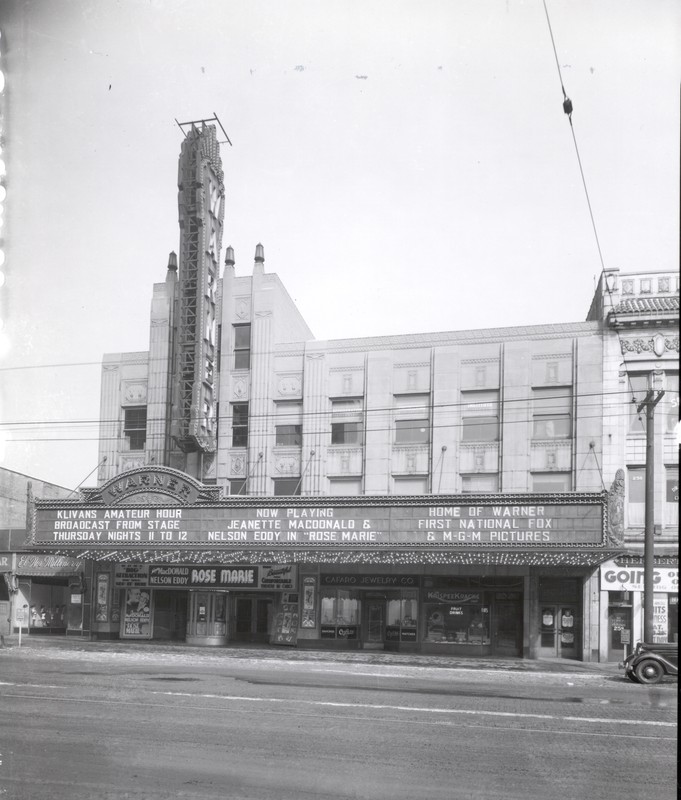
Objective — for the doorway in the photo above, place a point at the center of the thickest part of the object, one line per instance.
(170, 615)
(507, 628)
(373, 623)
(252, 619)
(560, 633)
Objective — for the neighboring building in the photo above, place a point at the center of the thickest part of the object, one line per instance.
(477, 463)
(40, 591)
(640, 314)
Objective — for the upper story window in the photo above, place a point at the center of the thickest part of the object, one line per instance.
(480, 416)
(671, 401)
(636, 496)
(242, 346)
(671, 506)
(412, 431)
(410, 485)
(135, 427)
(288, 435)
(551, 482)
(479, 484)
(346, 433)
(347, 425)
(552, 413)
(288, 426)
(637, 390)
(412, 418)
(284, 487)
(240, 425)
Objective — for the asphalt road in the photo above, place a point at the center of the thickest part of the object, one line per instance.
(98, 724)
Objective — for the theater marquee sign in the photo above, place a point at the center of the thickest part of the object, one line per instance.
(508, 521)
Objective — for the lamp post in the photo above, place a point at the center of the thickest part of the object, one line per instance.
(24, 613)
(651, 399)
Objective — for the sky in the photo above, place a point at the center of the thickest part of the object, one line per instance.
(407, 166)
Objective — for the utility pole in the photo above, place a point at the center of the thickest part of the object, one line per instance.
(651, 399)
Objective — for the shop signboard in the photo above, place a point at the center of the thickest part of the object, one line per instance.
(522, 525)
(47, 564)
(369, 581)
(5, 562)
(219, 576)
(616, 578)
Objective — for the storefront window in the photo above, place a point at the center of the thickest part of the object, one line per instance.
(340, 607)
(402, 617)
(456, 617)
(671, 507)
(340, 614)
(673, 618)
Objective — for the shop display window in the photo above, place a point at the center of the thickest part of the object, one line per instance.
(673, 620)
(402, 614)
(340, 607)
(460, 621)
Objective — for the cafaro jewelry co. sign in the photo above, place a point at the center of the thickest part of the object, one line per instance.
(532, 525)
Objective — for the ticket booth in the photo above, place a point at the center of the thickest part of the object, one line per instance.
(207, 618)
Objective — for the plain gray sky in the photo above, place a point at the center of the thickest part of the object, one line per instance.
(407, 166)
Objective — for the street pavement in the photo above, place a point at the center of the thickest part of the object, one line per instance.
(37, 645)
(114, 720)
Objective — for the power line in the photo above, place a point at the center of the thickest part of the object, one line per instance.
(272, 434)
(360, 410)
(568, 109)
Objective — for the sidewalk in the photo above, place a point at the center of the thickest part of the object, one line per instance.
(33, 643)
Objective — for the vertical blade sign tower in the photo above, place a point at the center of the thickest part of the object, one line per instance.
(201, 210)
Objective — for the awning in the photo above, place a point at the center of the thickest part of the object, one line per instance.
(407, 557)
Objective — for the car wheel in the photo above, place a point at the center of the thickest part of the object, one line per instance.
(649, 671)
(632, 677)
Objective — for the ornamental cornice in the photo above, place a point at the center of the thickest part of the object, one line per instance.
(551, 444)
(463, 338)
(550, 356)
(658, 344)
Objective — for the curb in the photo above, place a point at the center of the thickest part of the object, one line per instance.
(116, 647)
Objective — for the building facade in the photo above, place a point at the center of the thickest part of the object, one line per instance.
(640, 317)
(41, 593)
(493, 468)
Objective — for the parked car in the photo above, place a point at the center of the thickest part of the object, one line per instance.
(649, 662)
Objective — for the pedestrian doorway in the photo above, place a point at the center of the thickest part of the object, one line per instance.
(560, 618)
(560, 632)
(170, 615)
(507, 627)
(252, 618)
(373, 622)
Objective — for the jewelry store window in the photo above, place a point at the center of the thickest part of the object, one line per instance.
(402, 616)
(340, 614)
(456, 617)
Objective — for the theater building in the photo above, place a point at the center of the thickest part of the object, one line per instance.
(440, 492)
(477, 574)
(640, 316)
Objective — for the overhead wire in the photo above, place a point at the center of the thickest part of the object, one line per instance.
(568, 109)
(287, 418)
(272, 434)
